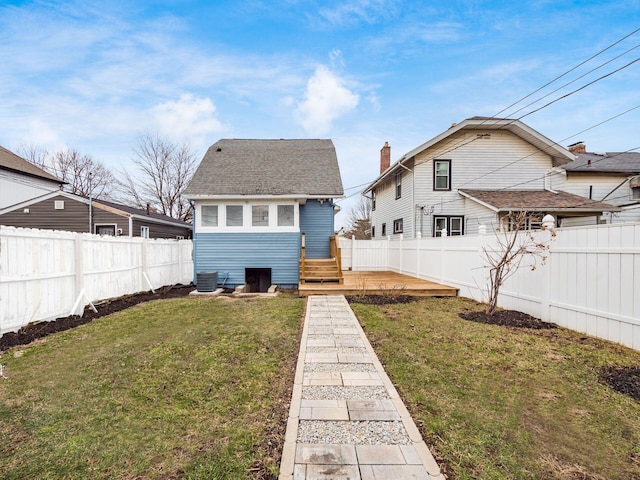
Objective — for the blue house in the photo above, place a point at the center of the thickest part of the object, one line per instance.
(264, 212)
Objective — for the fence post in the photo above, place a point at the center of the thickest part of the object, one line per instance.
(443, 235)
(353, 253)
(418, 238)
(78, 265)
(401, 251)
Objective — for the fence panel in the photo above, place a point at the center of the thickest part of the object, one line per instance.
(589, 283)
(43, 273)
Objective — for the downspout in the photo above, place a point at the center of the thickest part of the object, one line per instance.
(193, 236)
(131, 225)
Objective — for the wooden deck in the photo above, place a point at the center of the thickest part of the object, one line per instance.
(377, 283)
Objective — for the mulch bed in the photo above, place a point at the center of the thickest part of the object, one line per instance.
(33, 331)
(507, 318)
(381, 299)
(625, 380)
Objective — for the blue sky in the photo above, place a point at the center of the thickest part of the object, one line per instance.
(93, 75)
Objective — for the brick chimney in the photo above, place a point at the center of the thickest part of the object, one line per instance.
(578, 147)
(385, 157)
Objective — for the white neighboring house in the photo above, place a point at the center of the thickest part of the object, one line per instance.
(612, 177)
(21, 180)
(474, 173)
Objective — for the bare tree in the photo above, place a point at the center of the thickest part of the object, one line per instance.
(516, 247)
(84, 175)
(359, 220)
(163, 171)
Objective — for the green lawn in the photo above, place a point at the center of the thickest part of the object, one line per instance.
(189, 388)
(505, 403)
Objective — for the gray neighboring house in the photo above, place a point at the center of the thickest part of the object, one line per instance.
(21, 180)
(256, 202)
(60, 210)
(612, 177)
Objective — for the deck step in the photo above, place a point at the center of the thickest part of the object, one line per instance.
(320, 270)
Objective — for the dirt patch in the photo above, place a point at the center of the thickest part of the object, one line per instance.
(625, 380)
(381, 299)
(33, 331)
(507, 318)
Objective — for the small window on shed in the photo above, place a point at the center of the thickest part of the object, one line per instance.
(144, 232)
(58, 205)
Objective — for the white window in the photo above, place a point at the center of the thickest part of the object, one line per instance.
(144, 232)
(286, 215)
(442, 174)
(58, 204)
(398, 185)
(234, 215)
(209, 216)
(260, 215)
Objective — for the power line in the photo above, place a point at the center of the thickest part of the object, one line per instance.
(569, 71)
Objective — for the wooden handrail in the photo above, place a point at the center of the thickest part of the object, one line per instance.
(336, 252)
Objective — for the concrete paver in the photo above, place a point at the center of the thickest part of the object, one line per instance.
(332, 344)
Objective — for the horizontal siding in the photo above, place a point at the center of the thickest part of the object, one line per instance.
(159, 230)
(316, 222)
(476, 215)
(16, 188)
(74, 217)
(388, 208)
(602, 186)
(230, 253)
(501, 161)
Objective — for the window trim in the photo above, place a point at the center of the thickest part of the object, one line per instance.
(114, 225)
(448, 226)
(399, 185)
(435, 163)
(143, 229)
(399, 222)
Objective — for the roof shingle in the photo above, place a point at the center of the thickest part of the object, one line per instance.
(268, 167)
(11, 161)
(538, 200)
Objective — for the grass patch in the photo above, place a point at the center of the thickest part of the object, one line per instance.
(507, 403)
(181, 388)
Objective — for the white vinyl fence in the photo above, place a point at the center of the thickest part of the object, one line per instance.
(46, 274)
(590, 283)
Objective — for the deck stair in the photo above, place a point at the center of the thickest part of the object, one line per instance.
(320, 270)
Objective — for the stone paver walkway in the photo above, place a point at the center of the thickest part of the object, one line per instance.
(346, 419)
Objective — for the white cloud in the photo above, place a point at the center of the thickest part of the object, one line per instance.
(189, 117)
(326, 99)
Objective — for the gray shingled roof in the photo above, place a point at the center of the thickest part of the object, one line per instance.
(544, 200)
(11, 161)
(627, 163)
(268, 167)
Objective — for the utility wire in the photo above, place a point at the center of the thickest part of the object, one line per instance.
(569, 71)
